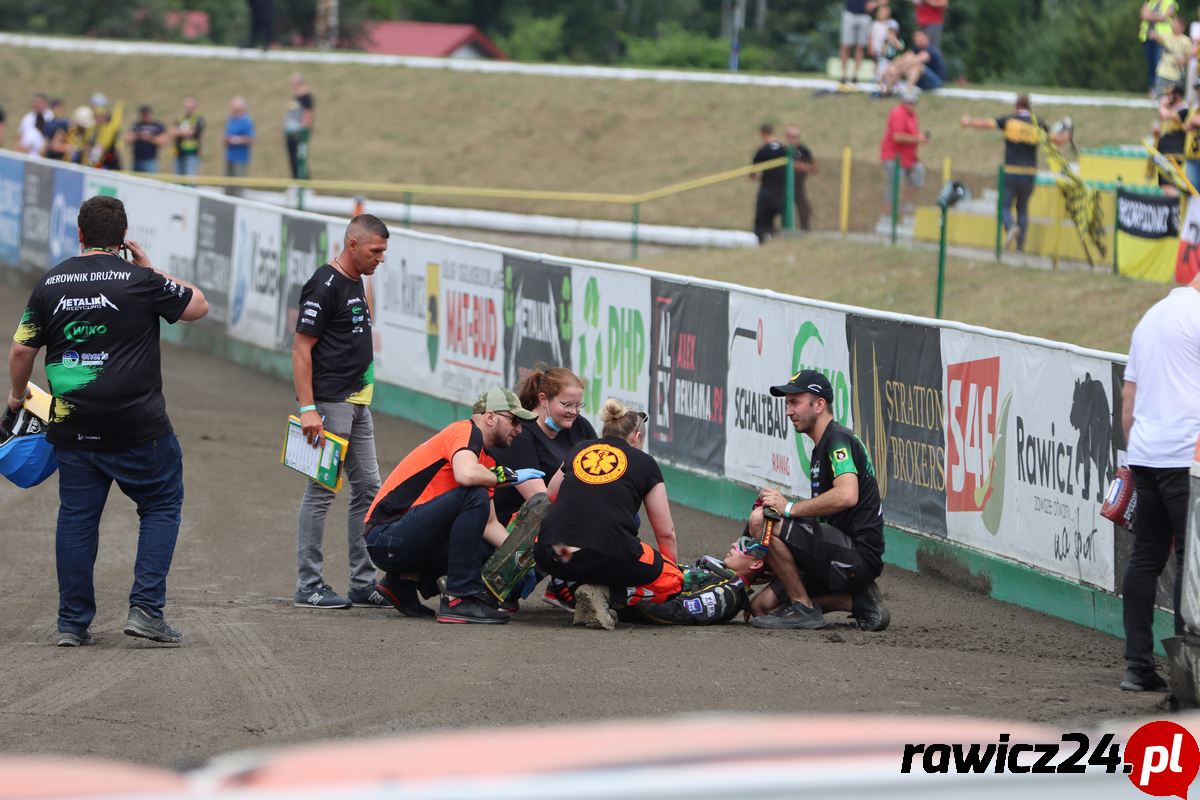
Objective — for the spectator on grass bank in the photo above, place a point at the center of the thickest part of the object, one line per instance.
(1173, 116)
(1194, 35)
(435, 513)
(768, 204)
(297, 127)
(188, 132)
(1156, 17)
(1, 126)
(55, 127)
(921, 67)
(110, 419)
(1177, 51)
(31, 136)
(827, 550)
(103, 150)
(856, 28)
(239, 137)
(74, 142)
(902, 136)
(1160, 412)
(885, 42)
(1021, 141)
(931, 19)
(590, 535)
(803, 165)
(333, 371)
(145, 136)
(262, 16)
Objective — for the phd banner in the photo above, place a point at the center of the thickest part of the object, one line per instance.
(1187, 260)
(611, 344)
(12, 191)
(537, 317)
(689, 361)
(305, 243)
(769, 340)
(1029, 454)
(257, 277)
(38, 195)
(213, 268)
(897, 408)
(1147, 236)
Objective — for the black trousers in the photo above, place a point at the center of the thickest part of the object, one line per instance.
(1162, 506)
(589, 566)
(766, 208)
(803, 207)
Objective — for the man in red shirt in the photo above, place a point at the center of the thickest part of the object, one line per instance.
(931, 17)
(901, 137)
(434, 512)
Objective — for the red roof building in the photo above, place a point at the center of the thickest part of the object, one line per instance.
(434, 39)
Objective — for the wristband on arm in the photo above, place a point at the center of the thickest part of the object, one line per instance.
(305, 409)
(787, 510)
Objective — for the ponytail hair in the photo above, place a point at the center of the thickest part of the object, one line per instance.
(548, 380)
(618, 420)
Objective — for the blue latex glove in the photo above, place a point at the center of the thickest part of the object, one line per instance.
(528, 473)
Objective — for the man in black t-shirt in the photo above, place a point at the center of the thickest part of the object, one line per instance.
(333, 369)
(145, 136)
(802, 165)
(827, 551)
(297, 127)
(771, 185)
(98, 315)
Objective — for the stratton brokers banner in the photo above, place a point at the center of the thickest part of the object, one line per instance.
(1147, 236)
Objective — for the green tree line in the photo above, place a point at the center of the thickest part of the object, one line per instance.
(1086, 45)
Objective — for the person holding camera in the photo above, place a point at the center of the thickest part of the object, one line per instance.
(97, 315)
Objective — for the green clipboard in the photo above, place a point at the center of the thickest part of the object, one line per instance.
(322, 464)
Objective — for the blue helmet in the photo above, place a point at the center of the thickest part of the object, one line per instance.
(26, 458)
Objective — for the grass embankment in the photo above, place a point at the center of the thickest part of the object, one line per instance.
(574, 134)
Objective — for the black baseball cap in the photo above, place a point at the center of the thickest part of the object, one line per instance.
(806, 381)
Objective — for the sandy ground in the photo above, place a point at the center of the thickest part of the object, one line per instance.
(254, 671)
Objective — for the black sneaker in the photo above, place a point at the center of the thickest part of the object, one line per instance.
(141, 624)
(793, 616)
(1139, 682)
(369, 597)
(469, 610)
(868, 609)
(69, 639)
(402, 595)
(322, 597)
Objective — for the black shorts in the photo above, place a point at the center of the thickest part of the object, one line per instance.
(826, 558)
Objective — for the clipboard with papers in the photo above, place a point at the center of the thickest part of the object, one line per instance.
(322, 464)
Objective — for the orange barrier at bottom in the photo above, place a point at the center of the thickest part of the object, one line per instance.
(44, 777)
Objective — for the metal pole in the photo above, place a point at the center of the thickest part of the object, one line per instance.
(1116, 205)
(895, 196)
(999, 211)
(844, 209)
(941, 278)
(633, 238)
(1059, 202)
(408, 209)
(947, 170)
(789, 187)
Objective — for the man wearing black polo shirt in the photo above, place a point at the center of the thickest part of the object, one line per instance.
(97, 316)
(828, 550)
(771, 185)
(333, 370)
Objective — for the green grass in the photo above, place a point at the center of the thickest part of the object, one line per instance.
(1096, 310)
(443, 127)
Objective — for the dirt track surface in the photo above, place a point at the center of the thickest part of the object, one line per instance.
(254, 671)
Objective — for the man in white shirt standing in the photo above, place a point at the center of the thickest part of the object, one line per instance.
(30, 131)
(1161, 416)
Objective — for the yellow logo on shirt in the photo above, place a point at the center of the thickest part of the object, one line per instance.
(599, 464)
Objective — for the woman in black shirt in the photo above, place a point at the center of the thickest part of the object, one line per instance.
(590, 534)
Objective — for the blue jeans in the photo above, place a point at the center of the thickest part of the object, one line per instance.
(187, 164)
(1152, 51)
(441, 537)
(1017, 191)
(151, 475)
(145, 165)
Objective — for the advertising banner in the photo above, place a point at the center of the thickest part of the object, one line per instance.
(1147, 236)
(897, 407)
(305, 247)
(257, 277)
(163, 220)
(769, 340)
(537, 317)
(1029, 454)
(688, 365)
(64, 212)
(464, 329)
(12, 191)
(1187, 259)
(38, 195)
(611, 348)
(213, 269)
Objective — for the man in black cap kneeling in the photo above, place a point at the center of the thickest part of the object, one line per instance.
(826, 551)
